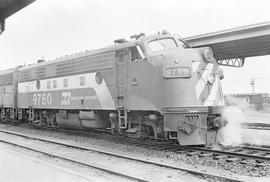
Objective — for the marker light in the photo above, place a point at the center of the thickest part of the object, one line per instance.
(220, 73)
(208, 54)
(211, 78)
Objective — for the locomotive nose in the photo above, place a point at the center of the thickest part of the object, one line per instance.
(179, 78)
(191, 94)
(191, 79)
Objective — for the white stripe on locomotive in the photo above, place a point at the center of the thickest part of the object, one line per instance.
(195, 65)
(212, 97)
(202, 82)
(102, 90)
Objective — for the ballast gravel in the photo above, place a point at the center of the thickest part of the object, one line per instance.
(250, 168)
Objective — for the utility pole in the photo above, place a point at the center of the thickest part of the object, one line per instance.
(252, 83)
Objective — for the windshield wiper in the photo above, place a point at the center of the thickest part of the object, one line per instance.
(183, 40)
(162, 43)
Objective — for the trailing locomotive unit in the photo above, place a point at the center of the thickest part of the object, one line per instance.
(8, 94)
(153, 86)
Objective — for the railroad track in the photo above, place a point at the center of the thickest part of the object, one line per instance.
(12, 137)
(242, 154)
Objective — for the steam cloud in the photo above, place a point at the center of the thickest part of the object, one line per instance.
(230, 135)
(235, 113)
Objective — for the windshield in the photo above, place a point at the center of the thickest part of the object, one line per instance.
(161, 44)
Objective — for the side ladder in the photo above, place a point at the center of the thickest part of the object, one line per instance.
(121, 73)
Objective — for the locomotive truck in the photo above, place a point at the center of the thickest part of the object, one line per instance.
(154, 86)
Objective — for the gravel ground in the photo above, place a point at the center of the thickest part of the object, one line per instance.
(203, 164)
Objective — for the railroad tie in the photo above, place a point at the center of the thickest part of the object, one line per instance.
(260, 163)
(196, 153)
(202, 154)
(232, 159)
(217, 157)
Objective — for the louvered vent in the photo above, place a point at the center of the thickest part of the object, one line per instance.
(84, 64)
(40, 73)
(6, 79)
(25, 75)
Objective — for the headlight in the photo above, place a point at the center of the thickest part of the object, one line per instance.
(208, 54)
(211, 78)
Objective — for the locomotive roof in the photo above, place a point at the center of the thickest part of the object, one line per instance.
(83, 54)
(96, 51)
(6, 72)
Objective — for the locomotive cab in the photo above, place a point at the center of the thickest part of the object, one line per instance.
(183, 84)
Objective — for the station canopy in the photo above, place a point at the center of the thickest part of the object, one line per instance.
(9, 7)
(237, 43)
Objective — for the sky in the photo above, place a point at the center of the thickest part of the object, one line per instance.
(53, 28)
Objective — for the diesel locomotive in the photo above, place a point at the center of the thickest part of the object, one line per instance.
(154, 86)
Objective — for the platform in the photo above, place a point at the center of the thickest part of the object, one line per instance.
(240, 42)
(9, 7)
(16, 167)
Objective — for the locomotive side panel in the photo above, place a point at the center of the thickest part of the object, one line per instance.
(8, 89)
(7, 93)
(81, 83)
(72, 92)
(144, 87)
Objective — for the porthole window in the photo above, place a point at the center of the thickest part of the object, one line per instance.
(98, 78)
(38, 84)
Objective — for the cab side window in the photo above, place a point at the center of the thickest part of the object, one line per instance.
(136, 53)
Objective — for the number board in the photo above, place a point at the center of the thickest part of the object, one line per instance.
(177, 72)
